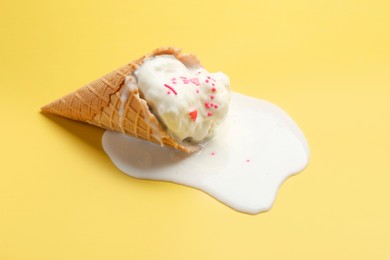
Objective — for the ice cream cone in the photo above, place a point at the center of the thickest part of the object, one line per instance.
(108, 103)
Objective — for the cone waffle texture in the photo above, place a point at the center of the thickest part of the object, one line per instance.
(109, 103)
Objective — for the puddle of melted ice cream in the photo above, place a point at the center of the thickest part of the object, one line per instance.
(254, 150)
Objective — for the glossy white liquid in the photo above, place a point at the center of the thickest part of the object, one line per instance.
(254, 150)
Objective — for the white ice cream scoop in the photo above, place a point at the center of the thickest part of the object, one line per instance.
(188, 99)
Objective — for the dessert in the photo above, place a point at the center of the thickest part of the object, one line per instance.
(164, 97)
(168, 98)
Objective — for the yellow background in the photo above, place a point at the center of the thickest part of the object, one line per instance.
(327, 63)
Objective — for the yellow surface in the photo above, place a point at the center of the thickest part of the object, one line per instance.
(327, 63)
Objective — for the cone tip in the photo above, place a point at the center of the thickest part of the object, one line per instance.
(45, 108)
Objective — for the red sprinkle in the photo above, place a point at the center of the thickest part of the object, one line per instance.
(193, 115)
(212, 97)
(207, 105)
(209, 113)
(173, 90)
(213, 89)
(215, 106)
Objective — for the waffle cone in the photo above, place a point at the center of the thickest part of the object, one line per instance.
(108, 103)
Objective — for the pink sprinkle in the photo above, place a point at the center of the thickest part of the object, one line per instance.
(213, 153)
(213, 84)
(173, 78)
(208, 77)
(207, 81)
(168, 92)
(186, 81)
(174, 82)
(173, 90)
(209, 113)
(212, 97)
(215, 106)
(195, 81)
(248, 160)
(213, 89)
(213, 79)
(197, 91)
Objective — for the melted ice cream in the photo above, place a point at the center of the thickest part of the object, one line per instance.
(255, 149)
